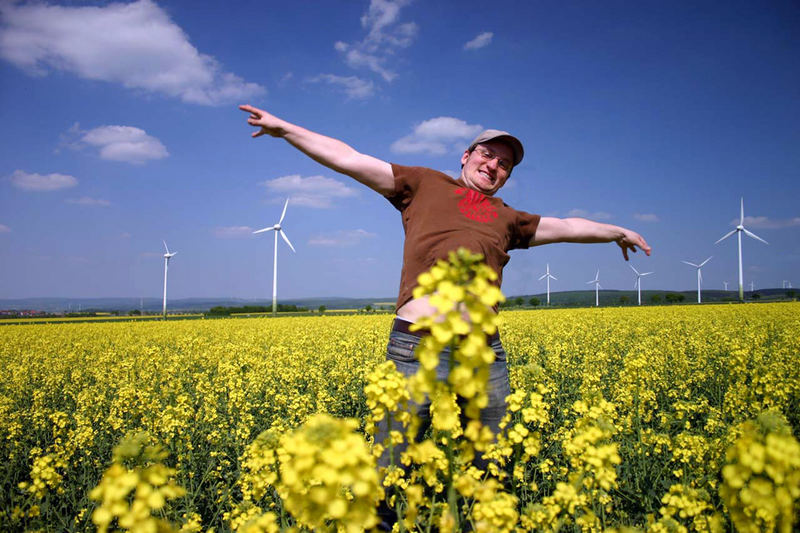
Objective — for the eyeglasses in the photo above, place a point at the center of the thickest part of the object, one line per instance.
(487, 155)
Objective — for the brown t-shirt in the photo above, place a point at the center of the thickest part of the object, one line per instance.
(441, 214)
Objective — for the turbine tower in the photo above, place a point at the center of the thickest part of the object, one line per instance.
(549, 276)
(638, 283)
(277, 229)
(726, 285)
(739, 230)
(167, 257)
(597, 288)
(700, 276)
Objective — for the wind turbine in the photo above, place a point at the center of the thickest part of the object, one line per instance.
(638, 283)
(167, 257)
(597, 287)
(549, 276)
(739, 230)
(700, 276)
(726, 285)
(277, 229)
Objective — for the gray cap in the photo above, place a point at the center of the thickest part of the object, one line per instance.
(501, 136)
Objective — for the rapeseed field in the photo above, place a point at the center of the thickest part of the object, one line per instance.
(620, 419)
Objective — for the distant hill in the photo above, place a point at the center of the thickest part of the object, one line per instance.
(586, 298)
(153, 305)
(563, 299)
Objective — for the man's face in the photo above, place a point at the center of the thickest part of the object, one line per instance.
(482, 168)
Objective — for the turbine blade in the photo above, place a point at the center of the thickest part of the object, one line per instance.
(552, 276)
(753, 235)
(542, 277)
(284, 210)
(630, 265)
(646, 273)
(706, 261)
(285, 238)
(692, 264)
(165, 246)
(265, 229)
(741, 218)
(725, 236)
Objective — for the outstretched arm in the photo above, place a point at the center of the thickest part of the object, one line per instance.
(334, 154)
(586, 231)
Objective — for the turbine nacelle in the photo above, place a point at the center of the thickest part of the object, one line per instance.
(168, 254)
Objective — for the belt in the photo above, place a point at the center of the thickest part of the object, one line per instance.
(403, 326)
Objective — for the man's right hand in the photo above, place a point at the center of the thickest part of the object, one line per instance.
(269, 124)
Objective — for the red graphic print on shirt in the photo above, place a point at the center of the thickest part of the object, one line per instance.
(475, 205)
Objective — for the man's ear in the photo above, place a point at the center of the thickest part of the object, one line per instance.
(465, 157)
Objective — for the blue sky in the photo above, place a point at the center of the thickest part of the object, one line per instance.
(120, 128)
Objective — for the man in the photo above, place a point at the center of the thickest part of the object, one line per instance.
(440, 215)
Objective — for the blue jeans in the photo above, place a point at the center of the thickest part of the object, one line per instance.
(401, 352)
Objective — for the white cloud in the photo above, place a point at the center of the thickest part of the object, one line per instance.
(41, 182)
(313, 191)
(646, 217)
(484, 39)
(597, 215)
(384, 37)
(133, 44)
(123, 143)
(768, 223)
(341, 238)
(88, 201)
(352, 86)
(437, 136)
(4, 229)
(232, 232)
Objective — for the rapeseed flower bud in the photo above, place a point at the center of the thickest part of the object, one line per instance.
(130, 495)
(387, 395)
(761, 482)
(328, 476)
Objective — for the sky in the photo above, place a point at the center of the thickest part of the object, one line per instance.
(121, 128)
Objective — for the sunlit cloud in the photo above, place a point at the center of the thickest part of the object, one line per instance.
(134, 44)
(122, 143)
(769, 223)
(313, 191)
(28, 181)
(4, 229)
(232, 232)
(582, 213)
(354, 87)
(646, 217)
(89, 201)
(483, 39)
(437, 136)
(385, 36)
(341, 238)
